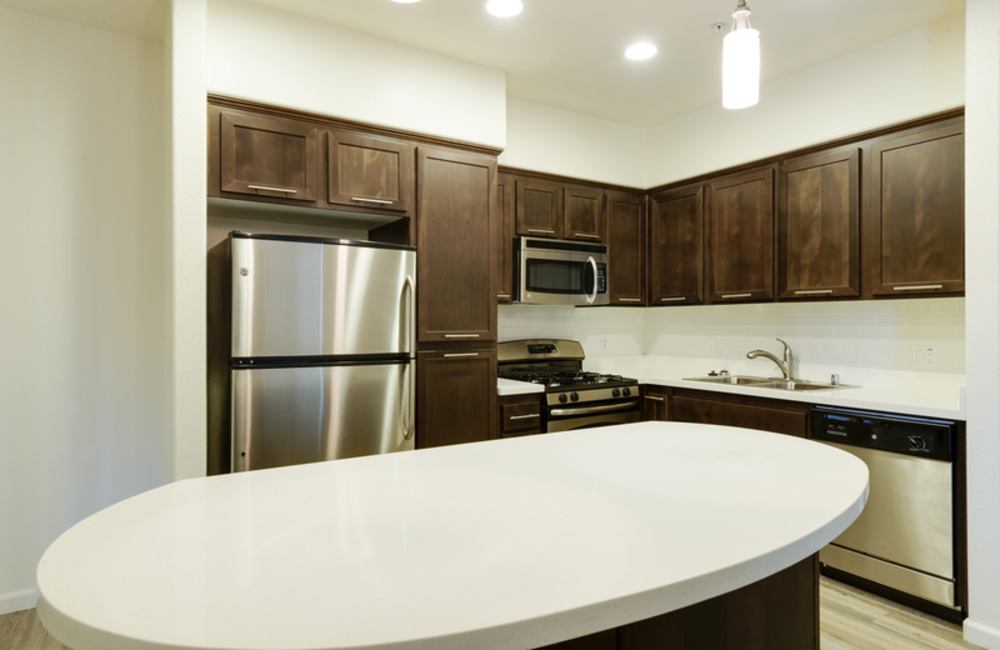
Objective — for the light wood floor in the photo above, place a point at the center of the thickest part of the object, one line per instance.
(849, 620)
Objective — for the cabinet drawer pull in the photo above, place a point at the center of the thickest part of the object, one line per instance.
(655, 398)
(675, 299)
(530, 416)
(918, 287)
(540, 231)
(461, 355)
(362, 199)
(630, 300)
(813, 292)
(583, 235)
(727, 296)
(267, 188)
(461, 336)
(503, 295)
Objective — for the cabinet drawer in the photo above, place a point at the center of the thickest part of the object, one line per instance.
(734, 411)
(521, 415)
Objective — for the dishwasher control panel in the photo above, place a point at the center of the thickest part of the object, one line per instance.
(923, 437)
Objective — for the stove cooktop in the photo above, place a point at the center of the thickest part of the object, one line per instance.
(557, 381)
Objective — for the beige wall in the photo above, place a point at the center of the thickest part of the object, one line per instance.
(84, 274)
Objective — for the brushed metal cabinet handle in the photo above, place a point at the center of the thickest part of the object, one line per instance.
(630, 300)
(461, 355)
(583, 235)
(654, 398)
(268, 188)
(542, 231)
(676, 299)
(727, 296)
(918, 287)
(503, 295)
(525, 417)
(813, 292)
(461, 336)
(362, 199)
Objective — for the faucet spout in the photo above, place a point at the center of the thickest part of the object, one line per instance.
(784, 364)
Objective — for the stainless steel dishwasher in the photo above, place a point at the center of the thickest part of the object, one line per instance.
(905, 538)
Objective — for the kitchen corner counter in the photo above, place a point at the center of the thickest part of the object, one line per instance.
(553, 537)
(508, 387)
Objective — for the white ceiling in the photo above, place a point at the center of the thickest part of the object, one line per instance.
(568, 53)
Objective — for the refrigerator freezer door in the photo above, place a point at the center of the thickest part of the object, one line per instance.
(287, 416)
(300, 299)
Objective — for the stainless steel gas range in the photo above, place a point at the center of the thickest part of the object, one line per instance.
(574, 398)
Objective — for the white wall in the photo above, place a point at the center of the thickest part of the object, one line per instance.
(607, 331)
(907, 76)
(84, 278)
(545, 139)
(262, 54)
(982, 264)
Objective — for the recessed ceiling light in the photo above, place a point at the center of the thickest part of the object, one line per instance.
(504, 8)
(640, 51)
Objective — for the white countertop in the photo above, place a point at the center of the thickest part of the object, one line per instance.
(926, 394)
(507, 387)
(503, 544)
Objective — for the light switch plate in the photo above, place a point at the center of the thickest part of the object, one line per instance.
(925, 357)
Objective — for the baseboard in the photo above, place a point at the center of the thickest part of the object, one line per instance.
(15, 601)
(981, 635)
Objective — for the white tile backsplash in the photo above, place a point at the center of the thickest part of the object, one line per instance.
(871, 334)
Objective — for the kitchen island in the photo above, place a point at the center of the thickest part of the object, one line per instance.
(514, 543)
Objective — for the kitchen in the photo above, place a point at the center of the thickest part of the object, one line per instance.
(696, 211)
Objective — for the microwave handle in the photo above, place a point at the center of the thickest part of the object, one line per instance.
(593, 296)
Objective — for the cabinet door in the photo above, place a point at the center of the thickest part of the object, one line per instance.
(456, 397)
(456, 237)
(521, 415)
(676, 246)
(370, 172)
(741, 237)
(505, 238)
(915, 218)
(818, 220)
(539, 208)
(267, 156)
(626, 248)
(734, 411)
(655, 402)
(584, 208)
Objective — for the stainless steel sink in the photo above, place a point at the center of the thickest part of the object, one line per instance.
(766, 382)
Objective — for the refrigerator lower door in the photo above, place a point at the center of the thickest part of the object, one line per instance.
(298, 299)
(288, 416)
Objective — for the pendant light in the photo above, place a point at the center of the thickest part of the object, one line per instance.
(741, 61)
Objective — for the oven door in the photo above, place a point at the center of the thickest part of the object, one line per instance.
(588, 417)
(562, 273)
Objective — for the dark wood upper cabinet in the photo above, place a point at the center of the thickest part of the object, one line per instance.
(265, 156)
(584, 207)
(626, 214)
(456, 397)
(818, 225)
(456, 236)
(914, 222)
(367, 171)
(505, 238)
(539, 208)
(676, 246)
(741, 237)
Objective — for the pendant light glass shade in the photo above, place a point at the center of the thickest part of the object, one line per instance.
(741, 62)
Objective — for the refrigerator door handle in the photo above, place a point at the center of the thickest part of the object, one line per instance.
(410, 288)
(409, 391)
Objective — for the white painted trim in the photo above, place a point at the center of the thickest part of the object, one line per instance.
(981, 635)
(15, 601)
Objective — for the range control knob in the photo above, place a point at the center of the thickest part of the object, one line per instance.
(627, 391)
(616, 393)
(574, 397)
(562, 398)
(917, 443)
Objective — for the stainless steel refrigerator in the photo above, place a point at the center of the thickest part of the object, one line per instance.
(320, 349)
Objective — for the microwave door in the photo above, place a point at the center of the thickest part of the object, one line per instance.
(563, 281)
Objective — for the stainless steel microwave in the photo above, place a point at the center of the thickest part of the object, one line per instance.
(556, 272)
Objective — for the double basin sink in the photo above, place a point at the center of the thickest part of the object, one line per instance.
(765, 382)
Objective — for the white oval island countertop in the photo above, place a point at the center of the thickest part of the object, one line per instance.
(505, 544)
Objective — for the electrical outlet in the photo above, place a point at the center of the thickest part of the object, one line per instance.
(925, 357)
(604, 344)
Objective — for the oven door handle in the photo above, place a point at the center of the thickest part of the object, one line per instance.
(587, 410)
(593, 296)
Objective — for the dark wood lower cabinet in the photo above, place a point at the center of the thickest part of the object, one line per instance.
(738, 411)
(780, 612)
(655, 400)
(456, 396)
(521, 415)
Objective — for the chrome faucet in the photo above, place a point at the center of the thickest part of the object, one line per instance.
(784, 363)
